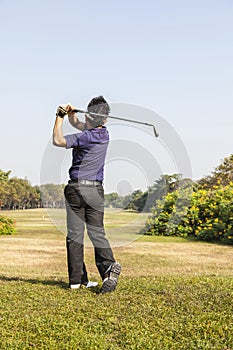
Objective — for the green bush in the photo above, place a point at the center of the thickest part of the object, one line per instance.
(205, 214)
(7, 225)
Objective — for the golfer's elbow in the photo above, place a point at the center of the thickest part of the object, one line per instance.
(59, 142)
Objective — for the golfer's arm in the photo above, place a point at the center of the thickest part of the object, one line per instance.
(58, 138)
(75, 122)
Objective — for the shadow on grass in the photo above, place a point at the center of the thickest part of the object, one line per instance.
(57, 283)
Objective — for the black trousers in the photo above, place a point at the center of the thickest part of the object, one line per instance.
(85, 206)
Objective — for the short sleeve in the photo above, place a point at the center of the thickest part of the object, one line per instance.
(76, 140)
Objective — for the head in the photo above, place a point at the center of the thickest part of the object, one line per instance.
(97, 105)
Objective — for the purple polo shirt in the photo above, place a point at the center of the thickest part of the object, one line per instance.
(89, 152)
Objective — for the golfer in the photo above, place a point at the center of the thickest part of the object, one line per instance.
(84, 193)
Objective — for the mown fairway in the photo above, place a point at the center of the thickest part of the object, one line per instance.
(172, 293)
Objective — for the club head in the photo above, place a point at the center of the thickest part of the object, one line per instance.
(155, 132)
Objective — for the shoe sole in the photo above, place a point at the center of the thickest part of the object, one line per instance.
(109, 285)
(75, 286)
(91, 285)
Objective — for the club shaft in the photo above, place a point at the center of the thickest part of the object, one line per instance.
(118, 118)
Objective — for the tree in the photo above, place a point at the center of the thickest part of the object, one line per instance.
(52, 196)
(163, 185)
(17, 193)
(135, 201)
(4, 176)
(223, 174)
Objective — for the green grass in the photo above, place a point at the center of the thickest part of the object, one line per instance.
(172, 294)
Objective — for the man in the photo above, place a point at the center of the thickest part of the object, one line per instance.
(84, 193)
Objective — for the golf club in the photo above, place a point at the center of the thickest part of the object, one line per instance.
(118, 118)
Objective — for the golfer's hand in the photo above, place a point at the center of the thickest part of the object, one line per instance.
(61, 111)
(70, 109)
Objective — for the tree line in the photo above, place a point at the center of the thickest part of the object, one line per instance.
(17, 193)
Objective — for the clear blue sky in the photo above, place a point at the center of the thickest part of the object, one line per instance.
(172, 57)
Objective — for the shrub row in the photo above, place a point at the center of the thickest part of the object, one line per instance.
(205, 214)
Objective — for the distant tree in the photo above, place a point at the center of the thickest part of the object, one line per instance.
(163, 185)
(17, 193)
(110, 198)
(4, 176)
(4, 188)
(135, 201)
(222, 175)
(52, 196)
(145, 201)
(22, 194)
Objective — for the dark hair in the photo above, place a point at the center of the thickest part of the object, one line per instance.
(98, 105)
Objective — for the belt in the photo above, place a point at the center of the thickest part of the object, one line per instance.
(86, 182)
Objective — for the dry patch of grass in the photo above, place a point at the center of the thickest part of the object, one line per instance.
(186, 258)
(42, 248)
(25, 257)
